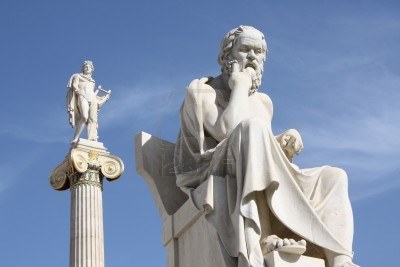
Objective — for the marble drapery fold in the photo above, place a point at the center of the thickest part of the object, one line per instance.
(250, 160)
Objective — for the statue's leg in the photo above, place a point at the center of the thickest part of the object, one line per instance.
(334, 208)
(92, 121)
(83, 106)
(251, 146)
(263, 213)
(269, 240)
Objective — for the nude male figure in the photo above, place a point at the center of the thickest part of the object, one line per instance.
(83, 102)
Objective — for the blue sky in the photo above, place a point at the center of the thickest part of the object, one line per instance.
(332, 73)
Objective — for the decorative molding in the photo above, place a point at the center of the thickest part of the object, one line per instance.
(83, 165)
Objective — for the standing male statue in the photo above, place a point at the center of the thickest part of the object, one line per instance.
(261, 200)
(83, 103)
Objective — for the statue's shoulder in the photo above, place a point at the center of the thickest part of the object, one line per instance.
(266, 100)
(75, 76)
(72, 79)
(80, 76)
(200, 87)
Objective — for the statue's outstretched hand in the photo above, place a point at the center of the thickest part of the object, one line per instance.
(291, 143)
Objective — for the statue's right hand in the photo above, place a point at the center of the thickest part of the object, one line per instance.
(239, 80)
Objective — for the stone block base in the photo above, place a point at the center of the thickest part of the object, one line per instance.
(281, 259)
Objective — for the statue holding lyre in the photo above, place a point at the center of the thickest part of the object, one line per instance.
(83, 102)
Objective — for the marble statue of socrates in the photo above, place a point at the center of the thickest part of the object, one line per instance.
(261, 200)
(83, 102)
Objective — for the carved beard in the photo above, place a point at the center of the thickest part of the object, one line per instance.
(255, 77)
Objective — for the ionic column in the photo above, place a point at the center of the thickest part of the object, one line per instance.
(82, 171)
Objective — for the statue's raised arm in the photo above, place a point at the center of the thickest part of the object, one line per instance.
(83, 102)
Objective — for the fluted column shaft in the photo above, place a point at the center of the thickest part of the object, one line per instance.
(82, 171)
(87, 236)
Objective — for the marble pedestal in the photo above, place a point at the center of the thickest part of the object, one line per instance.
(281, 259)
(190, 240)
(83, 170)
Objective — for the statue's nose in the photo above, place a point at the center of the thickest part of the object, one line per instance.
(251, 54)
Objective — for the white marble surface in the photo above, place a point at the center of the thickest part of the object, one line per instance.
(188, 237)
(82, 171)
(155, 163)
(239, 177)
(83, 102)
(226, 134)
(279, 259)
(78, 158)
(86, 222)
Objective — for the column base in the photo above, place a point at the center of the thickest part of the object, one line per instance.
(88, 145)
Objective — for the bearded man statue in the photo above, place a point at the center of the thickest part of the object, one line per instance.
(261, 201)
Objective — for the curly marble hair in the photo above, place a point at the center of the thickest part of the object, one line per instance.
(229, 41)
(87, 62)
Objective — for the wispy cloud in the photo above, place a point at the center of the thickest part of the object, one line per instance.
(346, 101)
(137, 103)
(363, 115)
(49, 127)
(389, 181)
(12, 171)
(354, 122)
(140, 102)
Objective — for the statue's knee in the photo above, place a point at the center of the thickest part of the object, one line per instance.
(340, 174)
(336, 176)
(84, 119)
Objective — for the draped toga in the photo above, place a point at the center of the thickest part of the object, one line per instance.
(250, 160)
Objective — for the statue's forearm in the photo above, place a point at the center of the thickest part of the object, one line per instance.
(236, 111)
(75, 86)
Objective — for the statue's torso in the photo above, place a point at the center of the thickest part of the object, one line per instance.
(214, 102)
(261, 107)
(86, 87)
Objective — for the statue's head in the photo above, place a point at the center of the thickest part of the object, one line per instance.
(247, 46)
(87, 67)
